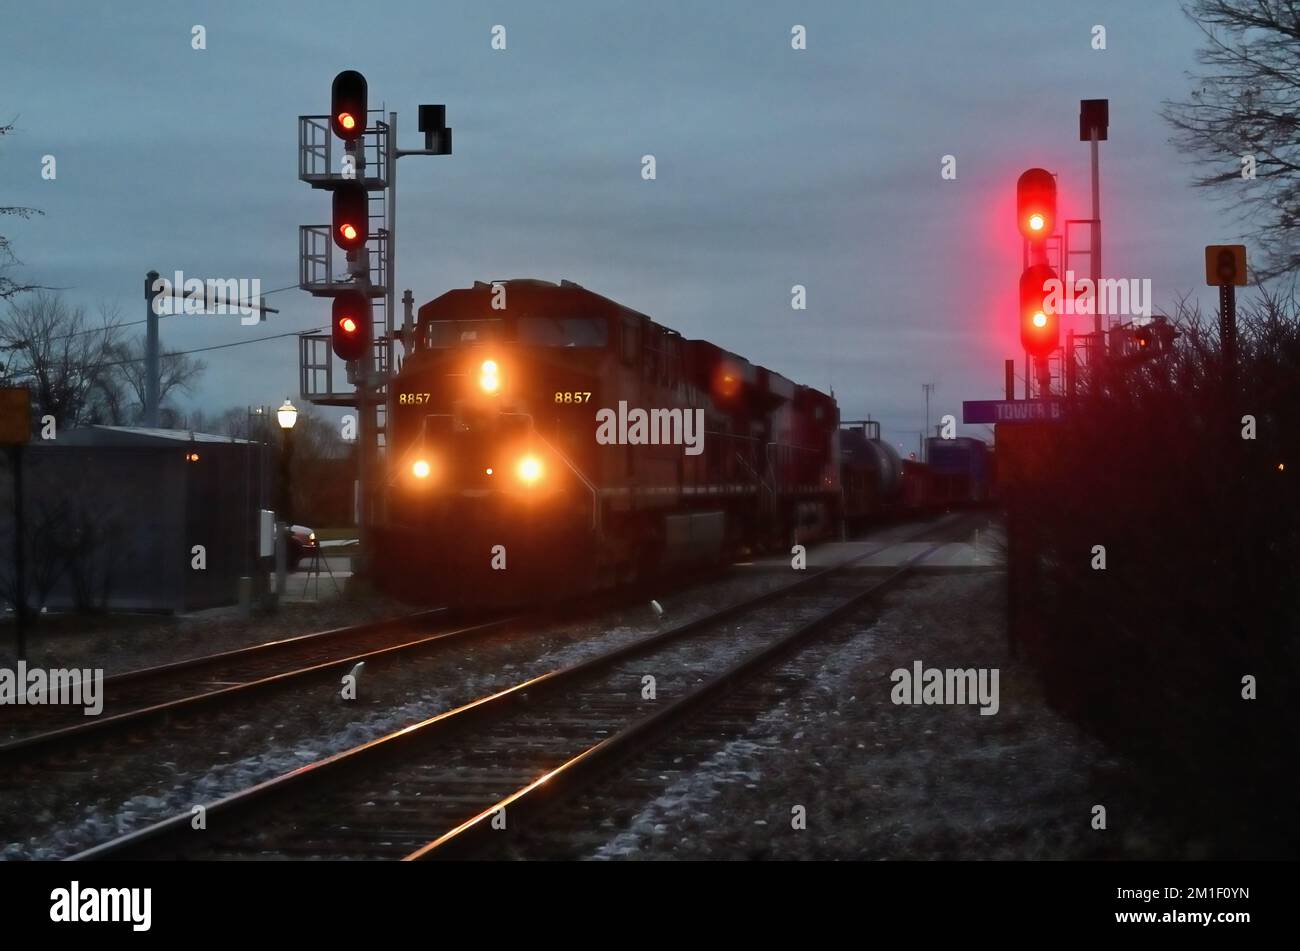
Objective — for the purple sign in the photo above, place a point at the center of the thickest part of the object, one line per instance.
(1012, 411)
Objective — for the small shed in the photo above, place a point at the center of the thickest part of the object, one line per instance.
(134, 519)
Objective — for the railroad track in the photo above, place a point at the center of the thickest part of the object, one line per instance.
(140, 697)
(444, 786)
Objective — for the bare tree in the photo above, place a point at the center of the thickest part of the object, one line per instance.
(1244, 119)
(178, 372)
(60, 355)
(8, 286)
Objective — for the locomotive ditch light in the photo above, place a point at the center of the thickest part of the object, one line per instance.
(420, 468)
(489, 376)
(530, 470)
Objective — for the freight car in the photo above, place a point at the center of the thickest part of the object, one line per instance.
(871, 474)
(959, 471)
(548, 441)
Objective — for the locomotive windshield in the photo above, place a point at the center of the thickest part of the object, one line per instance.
(563, 331)
(576, 332)
(461, 333)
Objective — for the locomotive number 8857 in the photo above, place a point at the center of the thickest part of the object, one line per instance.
(547, 441)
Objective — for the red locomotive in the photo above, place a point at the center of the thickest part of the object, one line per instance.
(547, 440)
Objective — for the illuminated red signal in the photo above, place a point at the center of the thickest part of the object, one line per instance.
(1036, 204)
(348, 105)
(351, 215)
(352, 317)
(1040, 327)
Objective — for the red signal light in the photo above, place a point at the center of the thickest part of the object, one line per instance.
(1036, 203)
(1040, 327)
(352, 317)
(351, 215)
(348, 105)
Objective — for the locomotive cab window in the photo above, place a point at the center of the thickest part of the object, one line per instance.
(562, 331)
(439, 334)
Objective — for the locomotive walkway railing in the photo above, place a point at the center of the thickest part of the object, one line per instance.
(582, 477)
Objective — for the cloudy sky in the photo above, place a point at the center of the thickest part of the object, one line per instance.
(775, 166)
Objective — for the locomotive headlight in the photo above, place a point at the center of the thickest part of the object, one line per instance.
(489, 376)
(530, 469)
(420, 468)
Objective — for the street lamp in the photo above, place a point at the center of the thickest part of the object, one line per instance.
(286, 416)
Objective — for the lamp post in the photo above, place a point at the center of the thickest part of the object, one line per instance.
(286, 416)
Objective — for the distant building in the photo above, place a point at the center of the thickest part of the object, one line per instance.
(133, 519)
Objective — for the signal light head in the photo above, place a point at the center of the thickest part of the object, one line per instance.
(348, 97)
(351, 318)
(1036, 203)
(1040, 327)
(351, 215)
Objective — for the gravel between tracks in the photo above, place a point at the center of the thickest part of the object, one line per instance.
(879, 780)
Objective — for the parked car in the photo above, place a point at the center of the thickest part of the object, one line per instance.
(302, 544)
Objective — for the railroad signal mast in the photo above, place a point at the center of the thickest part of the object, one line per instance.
(1040, 325)
(1046, 246)
(352, 153)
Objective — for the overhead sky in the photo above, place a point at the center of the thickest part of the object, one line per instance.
(775, 166)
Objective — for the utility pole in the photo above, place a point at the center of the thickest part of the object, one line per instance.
(152, 362)
(928, 388)
(154, 292)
